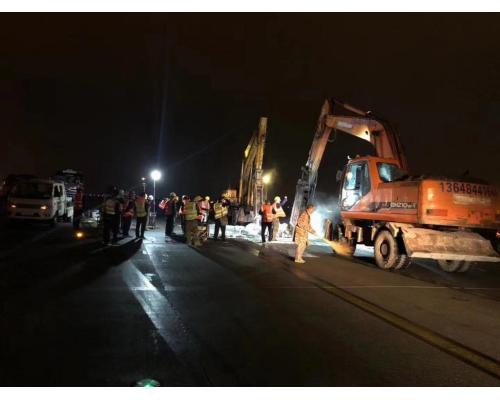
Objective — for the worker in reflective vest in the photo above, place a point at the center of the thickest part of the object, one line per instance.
(128, 213)
(78, 208)
(279, 212)
(267, 213)
(220, 215)
(141, 208)
(205, 209)
(110, 209)
(169, 207)
(192, 214)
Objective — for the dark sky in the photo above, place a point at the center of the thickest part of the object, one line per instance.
(87, 91)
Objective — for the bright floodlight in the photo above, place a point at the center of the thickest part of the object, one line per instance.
(266, 178)
(155, 175)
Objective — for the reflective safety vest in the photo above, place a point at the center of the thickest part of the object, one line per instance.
(190, 211)
(280, 213)
(110, 206)
(140, 207)
(267, 213)
(78, 203)
(205, 206)
(219, 210)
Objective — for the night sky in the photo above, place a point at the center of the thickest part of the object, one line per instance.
(115, 95)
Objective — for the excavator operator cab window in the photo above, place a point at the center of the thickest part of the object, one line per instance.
(356, 184)
(390, 172)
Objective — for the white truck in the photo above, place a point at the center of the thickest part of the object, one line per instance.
(39, 200)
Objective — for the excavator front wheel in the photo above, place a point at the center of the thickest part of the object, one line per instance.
(387, 252)
(454, 265)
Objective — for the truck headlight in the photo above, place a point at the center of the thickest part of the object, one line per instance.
(43, 207)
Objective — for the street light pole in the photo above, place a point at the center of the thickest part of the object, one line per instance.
(155, 175)
(154, 198)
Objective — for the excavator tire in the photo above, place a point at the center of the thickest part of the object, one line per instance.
(404, 262)
(387, 252)
(465, 266)
(454, 265)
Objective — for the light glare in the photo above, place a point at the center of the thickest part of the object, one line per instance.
(155, 175)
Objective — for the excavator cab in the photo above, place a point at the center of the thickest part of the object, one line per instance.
(355, 185)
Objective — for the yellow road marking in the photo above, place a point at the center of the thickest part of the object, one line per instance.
(456, 349)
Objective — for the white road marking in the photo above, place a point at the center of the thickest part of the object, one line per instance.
(156, 307)
(168, 324)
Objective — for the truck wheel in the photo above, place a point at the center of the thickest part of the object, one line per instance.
(454, 265)
(387, 252)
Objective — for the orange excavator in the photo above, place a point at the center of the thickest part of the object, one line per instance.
(454, 221)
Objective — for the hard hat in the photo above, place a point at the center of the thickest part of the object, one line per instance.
(173, 194)
(197, 198)
(277, 199)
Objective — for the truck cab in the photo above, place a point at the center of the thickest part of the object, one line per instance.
(39, 200)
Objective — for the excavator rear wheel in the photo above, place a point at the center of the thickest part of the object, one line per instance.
(454, 265)
(404, 261)
(387, 252)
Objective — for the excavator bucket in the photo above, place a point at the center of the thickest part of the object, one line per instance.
(439, 245)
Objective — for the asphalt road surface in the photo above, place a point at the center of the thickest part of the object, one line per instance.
(235, 313)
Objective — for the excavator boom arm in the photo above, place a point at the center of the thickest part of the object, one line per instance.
(251, 185)
(363, 126)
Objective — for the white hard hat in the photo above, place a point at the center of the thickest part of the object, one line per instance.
(277, 199)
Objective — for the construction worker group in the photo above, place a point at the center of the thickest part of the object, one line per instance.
(194, 215)
(117, 213)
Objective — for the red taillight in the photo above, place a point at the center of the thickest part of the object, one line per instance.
(437, 212)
